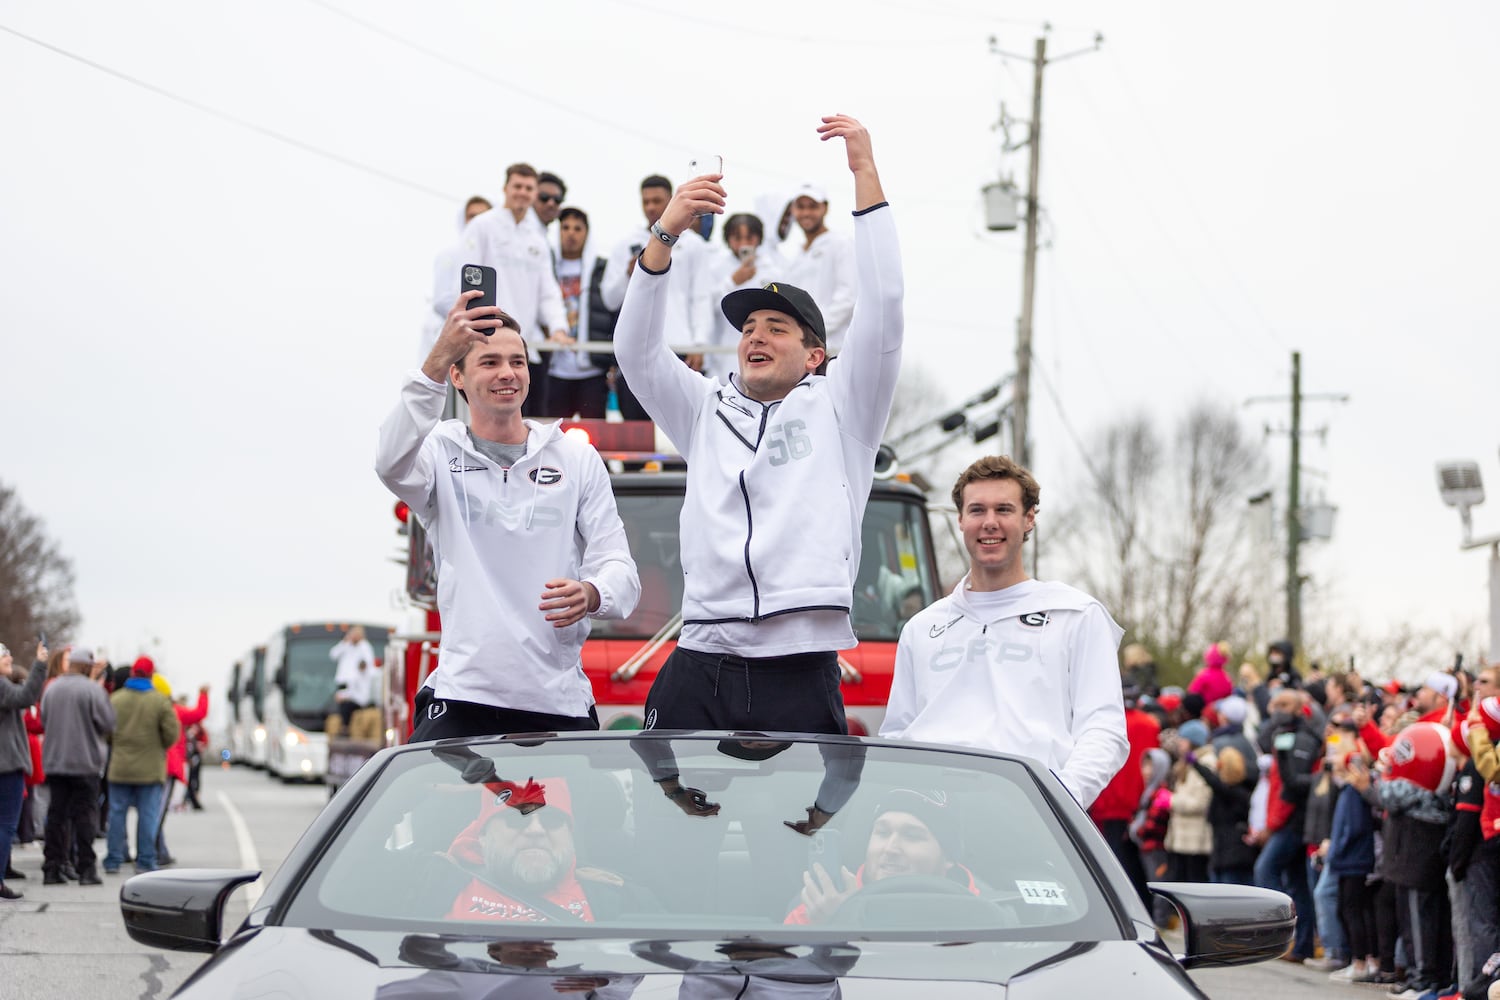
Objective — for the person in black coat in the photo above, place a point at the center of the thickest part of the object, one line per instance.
(1232, 859)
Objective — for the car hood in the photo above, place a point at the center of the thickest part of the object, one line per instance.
(293, 964)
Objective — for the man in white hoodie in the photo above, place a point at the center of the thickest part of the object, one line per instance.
(1007, 663)
(525, 536)
(780, 463)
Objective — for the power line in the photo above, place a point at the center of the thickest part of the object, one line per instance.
(235, 120)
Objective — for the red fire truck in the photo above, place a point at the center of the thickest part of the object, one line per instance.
(897, 577)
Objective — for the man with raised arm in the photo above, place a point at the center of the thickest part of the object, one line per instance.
(780, 462)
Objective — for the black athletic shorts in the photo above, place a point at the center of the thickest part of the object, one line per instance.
(798, 693)
(447, 718)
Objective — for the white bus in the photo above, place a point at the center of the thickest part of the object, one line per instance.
(299, 696)
(248, 731)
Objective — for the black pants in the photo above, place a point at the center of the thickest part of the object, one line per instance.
(785, 694)
(1357, 912)
(1387, 928)
(447, 718)
(72, 819)
(587, 397)
(1427, 925)
(1117, 834)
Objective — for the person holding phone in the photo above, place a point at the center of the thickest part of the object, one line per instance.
(689, 317)
(525, 536)
(780, 463)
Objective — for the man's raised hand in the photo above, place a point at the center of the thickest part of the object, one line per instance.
(461, 329)
(700, 196)
(856, 140)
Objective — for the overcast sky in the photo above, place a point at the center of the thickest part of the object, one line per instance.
(217, 223)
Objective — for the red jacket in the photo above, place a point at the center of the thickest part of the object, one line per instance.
(177, 756)
(1122, 796)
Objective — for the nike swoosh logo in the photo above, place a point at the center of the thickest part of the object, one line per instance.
(453, 466)
(938, 630)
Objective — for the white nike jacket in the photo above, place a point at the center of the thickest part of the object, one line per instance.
(776, 491)
(1039, 679)
(497, 535)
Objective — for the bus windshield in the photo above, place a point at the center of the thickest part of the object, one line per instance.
(895, 579)
(309, 672)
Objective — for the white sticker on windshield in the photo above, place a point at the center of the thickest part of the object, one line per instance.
(1042, 893)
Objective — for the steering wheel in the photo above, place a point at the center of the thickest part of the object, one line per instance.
(934, 885)
(898, 885)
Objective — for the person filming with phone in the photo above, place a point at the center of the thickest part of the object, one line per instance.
(780, 464)
(525, 536)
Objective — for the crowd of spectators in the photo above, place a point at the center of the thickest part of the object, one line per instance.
(1376, 807)
(82, 743)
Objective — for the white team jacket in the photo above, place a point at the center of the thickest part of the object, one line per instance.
(776, 491)
(497, 536)
(1040, 680)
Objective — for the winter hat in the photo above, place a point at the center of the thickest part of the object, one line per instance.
(1489, 714)
(1461, 736)
(510, 798)
(933, 808)
(1194, 731)
(1444, 684)
(81, 654)
(142, 667)
(1232, 710)
(1214, 657)
(1169, 701)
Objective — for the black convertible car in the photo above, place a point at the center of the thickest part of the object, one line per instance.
(698, 865)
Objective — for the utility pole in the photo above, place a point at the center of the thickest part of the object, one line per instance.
(1022, 391)
(1293, 512)
(1294, 517)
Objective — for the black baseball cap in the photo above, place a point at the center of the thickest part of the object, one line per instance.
(793, 301)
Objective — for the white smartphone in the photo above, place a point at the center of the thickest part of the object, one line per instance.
(711, 164)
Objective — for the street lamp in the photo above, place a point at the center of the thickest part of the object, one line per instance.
(1461, 486)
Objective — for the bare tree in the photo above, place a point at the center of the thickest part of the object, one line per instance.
(1158, 533)
(1215, 465)
(36, 581)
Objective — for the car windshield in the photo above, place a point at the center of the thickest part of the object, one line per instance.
(648, 835)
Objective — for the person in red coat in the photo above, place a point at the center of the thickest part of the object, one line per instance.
(1116, 805)
(177, 766)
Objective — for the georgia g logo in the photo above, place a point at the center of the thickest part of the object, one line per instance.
(546, 476)
(1035, 619)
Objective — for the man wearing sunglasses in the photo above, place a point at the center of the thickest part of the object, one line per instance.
(516, 247)
(550, 192)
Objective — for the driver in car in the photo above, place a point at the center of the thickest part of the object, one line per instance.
(915, 833)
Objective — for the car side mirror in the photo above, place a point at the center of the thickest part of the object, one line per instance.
(1226, 925)
(280, 678)
(180, 910)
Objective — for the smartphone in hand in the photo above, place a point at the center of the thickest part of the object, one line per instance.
(482, 278)
(698, 166)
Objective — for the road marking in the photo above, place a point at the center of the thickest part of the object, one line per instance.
(248, 857)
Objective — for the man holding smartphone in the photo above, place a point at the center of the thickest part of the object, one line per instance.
(525, 536)
(780, 463)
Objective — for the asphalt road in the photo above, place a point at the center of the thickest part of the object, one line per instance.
(67, 941)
